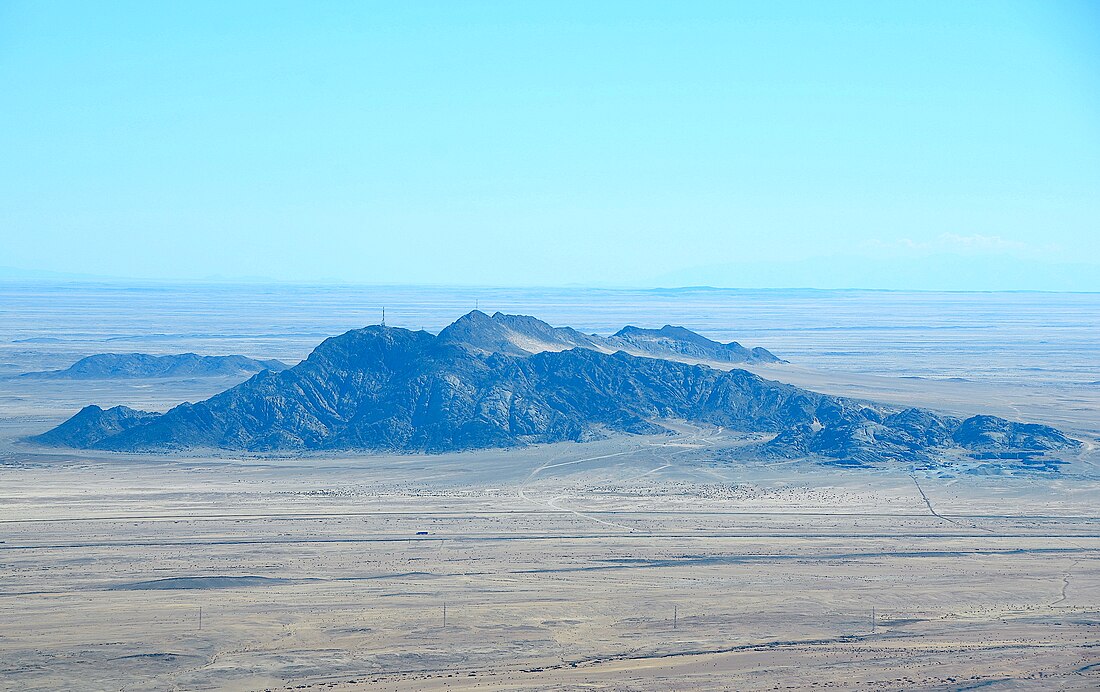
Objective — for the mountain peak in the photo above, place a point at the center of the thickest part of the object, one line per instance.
(476, 316)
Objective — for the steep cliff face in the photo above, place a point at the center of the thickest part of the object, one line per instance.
(383, 388)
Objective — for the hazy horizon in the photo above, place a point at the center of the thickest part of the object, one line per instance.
(14, 276)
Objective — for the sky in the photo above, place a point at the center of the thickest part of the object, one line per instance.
(917, 145)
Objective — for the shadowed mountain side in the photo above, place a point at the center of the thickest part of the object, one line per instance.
(104, 366)
(383, 388)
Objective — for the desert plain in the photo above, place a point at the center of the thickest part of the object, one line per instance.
(627, 563)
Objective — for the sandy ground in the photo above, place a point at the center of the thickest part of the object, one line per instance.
(621, 564)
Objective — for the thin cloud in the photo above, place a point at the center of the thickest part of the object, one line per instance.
(980, 242)
(954, 242)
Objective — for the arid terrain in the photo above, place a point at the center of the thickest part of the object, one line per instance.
(630, 563)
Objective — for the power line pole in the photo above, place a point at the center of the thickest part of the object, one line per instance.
(200, 618)
(444, 615)
(872, 619)
(674, 616)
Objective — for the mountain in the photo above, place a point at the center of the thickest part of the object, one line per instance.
(516, 335)
(520, 335)
(384, 388)
(104, 366)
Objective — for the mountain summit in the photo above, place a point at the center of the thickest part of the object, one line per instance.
(507, 380)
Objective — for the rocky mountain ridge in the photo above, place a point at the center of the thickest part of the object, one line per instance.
(472, 386)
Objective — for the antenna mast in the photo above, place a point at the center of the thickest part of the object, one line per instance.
(383, 316)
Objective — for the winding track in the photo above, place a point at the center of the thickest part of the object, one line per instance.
(934, 513)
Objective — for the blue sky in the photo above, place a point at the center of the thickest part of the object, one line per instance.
(868, 144)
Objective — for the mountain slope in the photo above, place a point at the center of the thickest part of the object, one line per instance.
(384, 388)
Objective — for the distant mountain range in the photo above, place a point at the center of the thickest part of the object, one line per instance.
(511, 380)
(142, 365)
